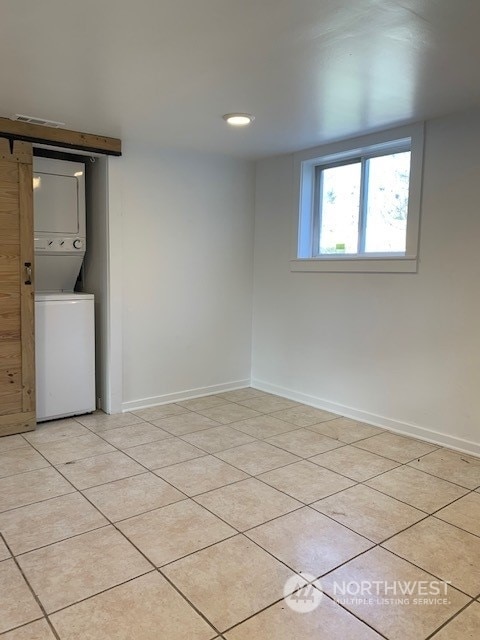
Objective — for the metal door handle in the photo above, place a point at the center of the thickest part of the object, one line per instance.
(28, 273)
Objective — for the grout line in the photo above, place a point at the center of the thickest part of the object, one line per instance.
(36, 598)
(208, 453)
(93, 595)
(430, 513)
(230, 525)
(243, 532)
(310, 459)
(102, 484)
(172, 415)
(379, 545)
(356, 532)
(261, 480)
(25, 624)
(256, 439)
(314, 424)
(163, 435)
(344, 444)
(382, 455)
(146, 512)
(106, 419)
(234, 534)
(449, 620)
(22, 473)
(5, 452)
(408, 464)
(238, 533)
(231, 426)
(310, 428)
(150, 562)
(422, 569)
(387, 495)
(176, 435)
(29, 504)
(51, 544)
(256, 475)
(116, 585)
(58, 463)
(194, 607)
(306, 505)
(237, 624)
(377, 631)
(434, 515)
(403, 464)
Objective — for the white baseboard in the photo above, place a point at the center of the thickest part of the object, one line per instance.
(442, 439)
(188, 394)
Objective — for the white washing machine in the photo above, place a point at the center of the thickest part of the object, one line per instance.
(65, 354)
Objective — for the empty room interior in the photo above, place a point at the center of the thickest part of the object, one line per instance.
(239, 320)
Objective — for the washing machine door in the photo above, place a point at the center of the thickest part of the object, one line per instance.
(57, 272)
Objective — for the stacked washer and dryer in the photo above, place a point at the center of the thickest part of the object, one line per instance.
(64, 319)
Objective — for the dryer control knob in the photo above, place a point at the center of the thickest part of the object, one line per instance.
(78, 244)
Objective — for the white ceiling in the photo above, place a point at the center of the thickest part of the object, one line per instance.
(164, 71)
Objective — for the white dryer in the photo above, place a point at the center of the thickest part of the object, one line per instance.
(59, 221)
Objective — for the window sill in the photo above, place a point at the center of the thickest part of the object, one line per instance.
(337, 264)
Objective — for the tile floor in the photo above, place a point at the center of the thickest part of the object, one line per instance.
(185, 521)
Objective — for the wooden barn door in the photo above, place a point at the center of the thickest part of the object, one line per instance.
(17, 328)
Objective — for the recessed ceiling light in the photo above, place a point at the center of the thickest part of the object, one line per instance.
(239, 119)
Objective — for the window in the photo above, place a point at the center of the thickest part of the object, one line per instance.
(359, 206)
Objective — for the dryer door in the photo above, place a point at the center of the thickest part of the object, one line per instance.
(59, 198)
(56, 204)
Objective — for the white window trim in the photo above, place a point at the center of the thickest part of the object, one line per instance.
(304, 167)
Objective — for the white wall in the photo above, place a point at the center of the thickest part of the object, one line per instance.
(187, 273)
(399, 350)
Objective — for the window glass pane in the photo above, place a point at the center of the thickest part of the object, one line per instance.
(387, 203)
(339, 209)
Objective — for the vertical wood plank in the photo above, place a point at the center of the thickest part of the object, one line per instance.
(17, 401)
(27, 291)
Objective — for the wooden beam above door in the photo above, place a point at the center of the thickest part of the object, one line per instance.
(40, 134)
